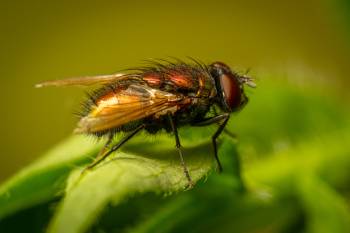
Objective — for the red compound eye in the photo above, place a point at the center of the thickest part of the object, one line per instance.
(231, 90)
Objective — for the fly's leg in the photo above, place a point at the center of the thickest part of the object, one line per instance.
(106, 146)
(226, 131)
(104, 154)
(230, 134)
(178, 147)
(222, 121)
(101, 153)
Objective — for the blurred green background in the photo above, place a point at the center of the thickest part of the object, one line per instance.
(298, 41)
(301, 41)
(299, 116)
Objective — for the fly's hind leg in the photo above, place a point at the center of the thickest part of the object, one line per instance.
(104, 153)
(178, 147)
(98, 157)
(100, 154)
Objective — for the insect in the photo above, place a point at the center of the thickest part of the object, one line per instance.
(163, 95)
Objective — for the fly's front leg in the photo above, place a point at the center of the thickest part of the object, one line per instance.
(178, 147)
(226, 131)
(222, 121)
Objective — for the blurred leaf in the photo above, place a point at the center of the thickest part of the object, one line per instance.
(324, 156)
(33, 219)
(290, 131)
(173, 213)
(218, 206)
(326, 211)
(157, 170)
(44, 179)
(280, 116)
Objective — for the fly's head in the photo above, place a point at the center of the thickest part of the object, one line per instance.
(230, 87)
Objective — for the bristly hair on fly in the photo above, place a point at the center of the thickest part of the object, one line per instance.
(159, 67)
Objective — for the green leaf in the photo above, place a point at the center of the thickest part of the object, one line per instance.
(292, 134)
(280, 116)
(157, 170)
(45, 178)
(326, 211)
(325, 156)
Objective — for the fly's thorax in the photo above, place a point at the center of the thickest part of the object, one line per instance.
(170, 80)
(206, 87)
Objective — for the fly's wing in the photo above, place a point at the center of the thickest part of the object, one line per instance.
(135, 102)
(84, 81)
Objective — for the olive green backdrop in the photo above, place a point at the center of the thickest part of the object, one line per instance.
(301, 41)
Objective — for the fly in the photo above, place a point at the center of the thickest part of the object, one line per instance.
(162, 95)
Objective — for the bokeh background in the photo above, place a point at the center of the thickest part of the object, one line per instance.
(299, 41)
(299, 52)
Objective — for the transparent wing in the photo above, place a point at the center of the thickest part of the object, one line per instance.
(130, 104)
(83, 81)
